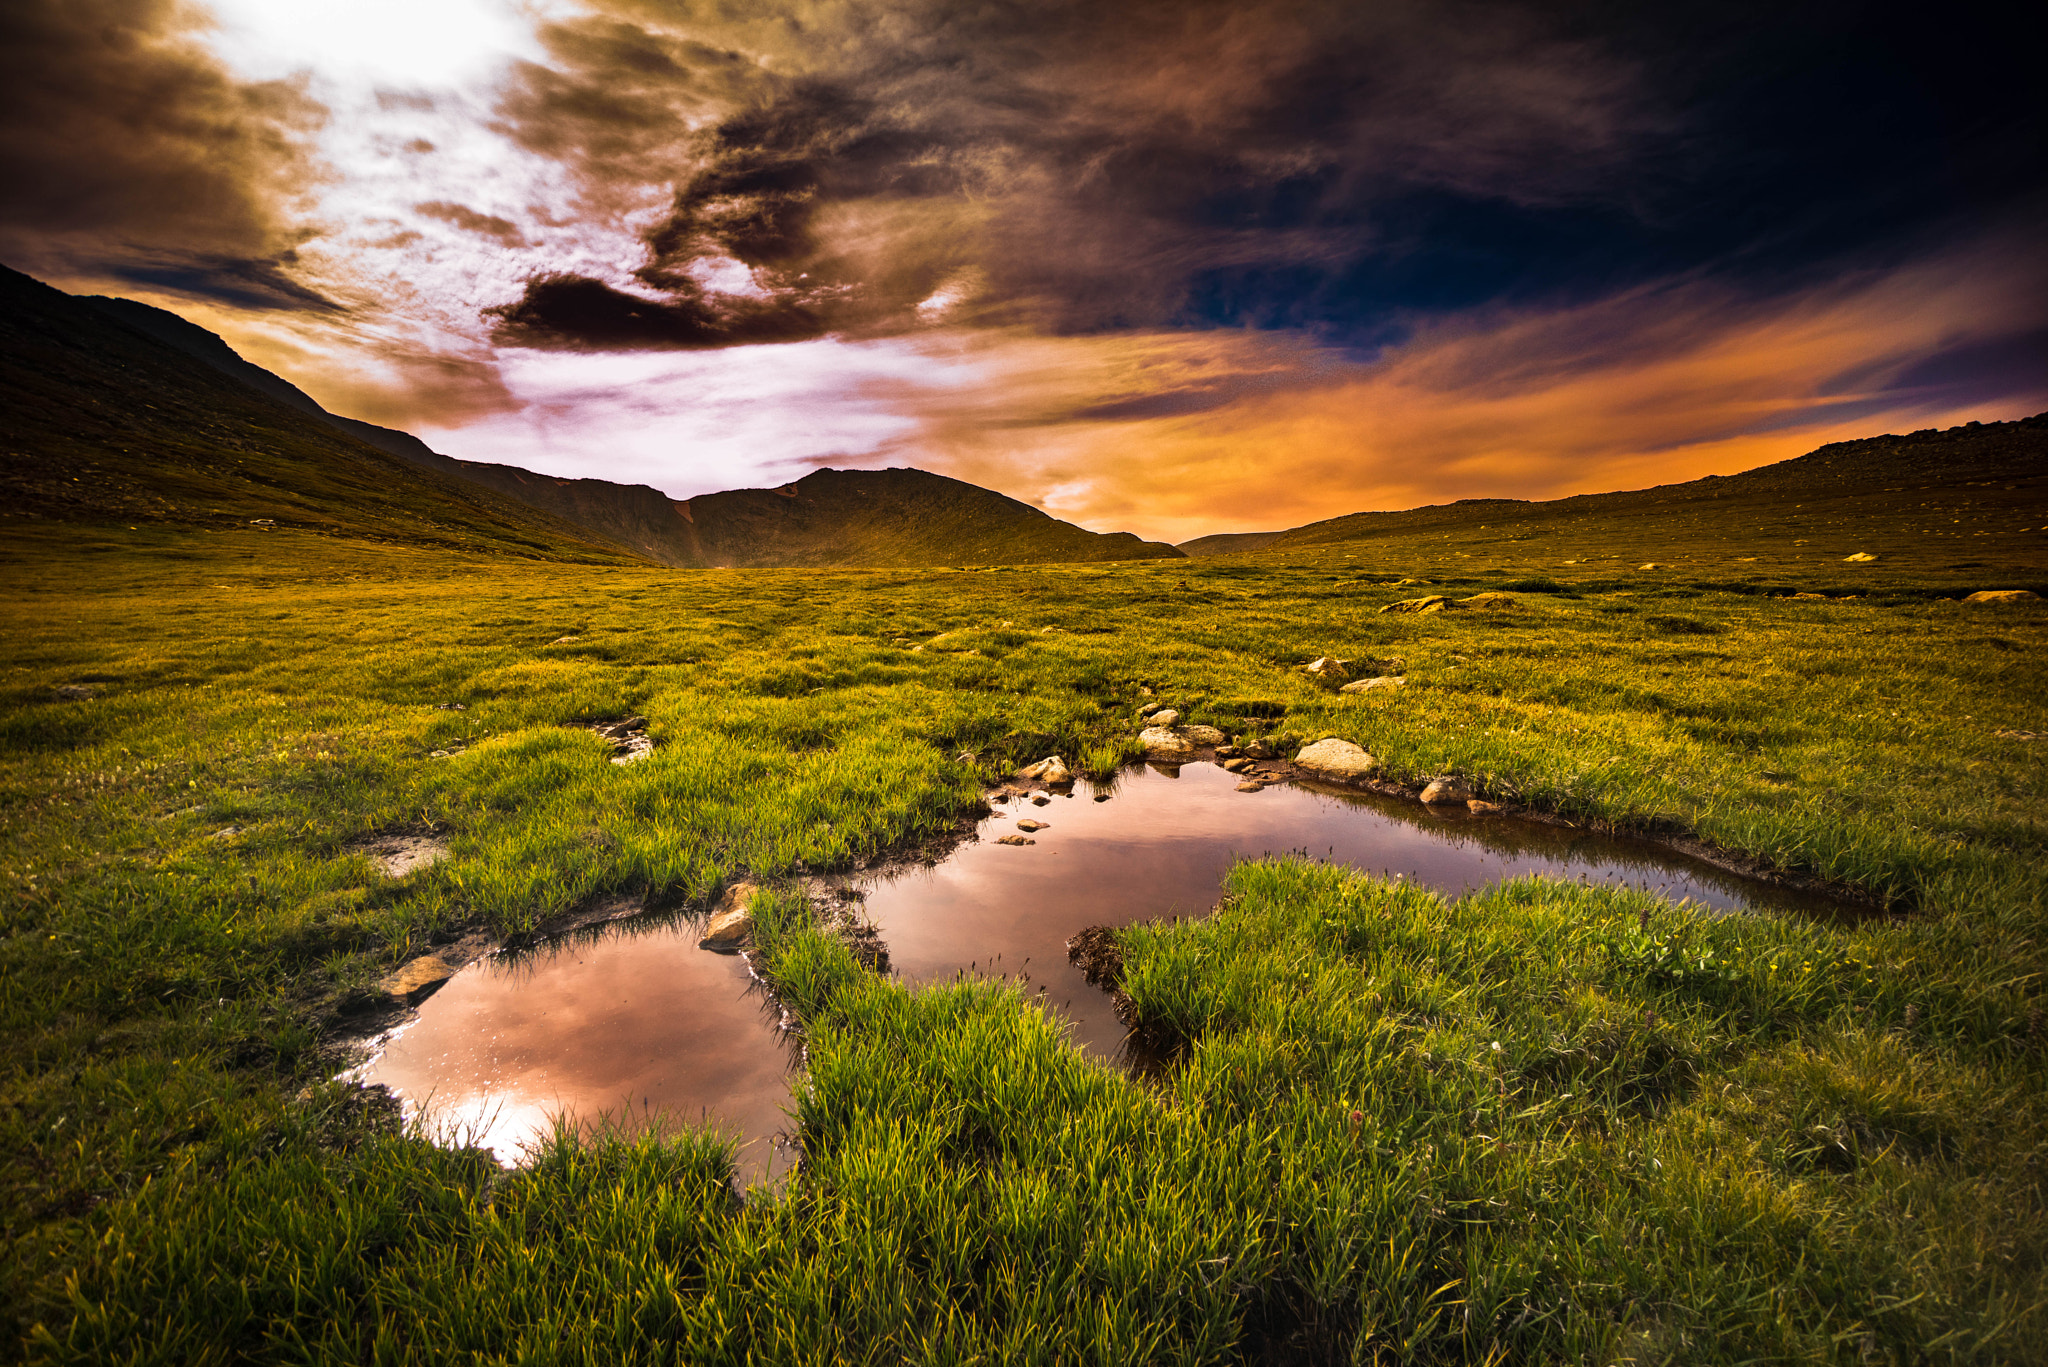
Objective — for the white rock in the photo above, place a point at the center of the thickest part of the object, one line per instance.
(1328, 668)
(1163, 744)
(1331, 755)
(1051, 771)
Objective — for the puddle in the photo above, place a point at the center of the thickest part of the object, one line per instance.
(636, 1019)
(608, 1021)
(1161, 846)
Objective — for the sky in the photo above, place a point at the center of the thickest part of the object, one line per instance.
(1164, 266)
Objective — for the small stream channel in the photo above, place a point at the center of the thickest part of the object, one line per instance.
(635, 1019)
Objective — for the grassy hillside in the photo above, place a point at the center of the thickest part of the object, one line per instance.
(1540, 1123)
(1943, 502)
(894, 517)
(100, 423)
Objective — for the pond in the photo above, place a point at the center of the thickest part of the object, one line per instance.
(636, 1021)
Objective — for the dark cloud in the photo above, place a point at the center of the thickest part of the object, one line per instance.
(126, 149)
(1078, 167)
(567, 312)
(502, 230)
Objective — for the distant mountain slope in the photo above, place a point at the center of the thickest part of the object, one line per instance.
(893, 517)
(1228, 543)
(1877, 480)
(836, 517)
(104, 422)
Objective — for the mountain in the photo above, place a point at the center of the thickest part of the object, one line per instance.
(103, 422)
(1228, 543)
(1980, 480)
(829, 518)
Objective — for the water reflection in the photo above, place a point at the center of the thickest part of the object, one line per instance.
(1161, 846)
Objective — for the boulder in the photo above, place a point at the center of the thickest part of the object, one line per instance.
(1258, 749)
(1328, 669)
(1051, 771)
(1861, 557)
(1388, 681)
(1653, 565)
(1162, 744)
(1251, 785)
(1203, 735)
(1238, 765)
(1448, 789)
(1016, 840)
(1164, 716)
(1981, 596)
(1340, 758)
(1029, 825)
(1436, 602)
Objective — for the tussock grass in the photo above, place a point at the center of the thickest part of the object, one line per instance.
(1738, 1140)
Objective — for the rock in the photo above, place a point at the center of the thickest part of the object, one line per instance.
(1328, 669)
(1051, 771)
(1162, 744)
(726, 933)
(1341, 758)
(1251, 785)
(1149, 708)
(1981, 596)
(1388, 681)
(1164, 716)
(564, 640)
(1203, 735)
(1238, 765)
(1436, 602)
(1040, 800)
(1479, 806)
(1413, 583)
(1653, 565)
(1029, 825)
(1227, 752)
(1447, 789)
(1258, 749)
(1016, 840)
(429, 970)
(1491, 602)
(227, 833)
(1822, 596)
(1860, 558)
(74, 692)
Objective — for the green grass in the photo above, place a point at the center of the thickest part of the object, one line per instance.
(1740, 1140)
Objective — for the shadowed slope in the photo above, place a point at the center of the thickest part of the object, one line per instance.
(103, 423)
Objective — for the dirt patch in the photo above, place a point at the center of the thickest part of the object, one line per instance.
(403, 850)
(627, 737)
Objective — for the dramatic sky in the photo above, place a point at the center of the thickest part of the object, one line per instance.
(1169, 266)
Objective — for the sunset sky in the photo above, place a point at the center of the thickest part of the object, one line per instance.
(1170, 268)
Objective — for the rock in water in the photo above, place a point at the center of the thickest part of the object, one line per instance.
(1016, 840)
(1374, 685)
(1328, 669)
(1203, 735)
(1981, 596)
(1480, 807)
(1051, 771)
(1238, 765)
(732, 920)
(1251, 785)
(1162, 744)
(1447, 789)
(1029, 825)
(1331, 755)
(429, 970)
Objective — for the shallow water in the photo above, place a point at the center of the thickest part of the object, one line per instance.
(629, 1021)
(1161, 845)
(636, 1020)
